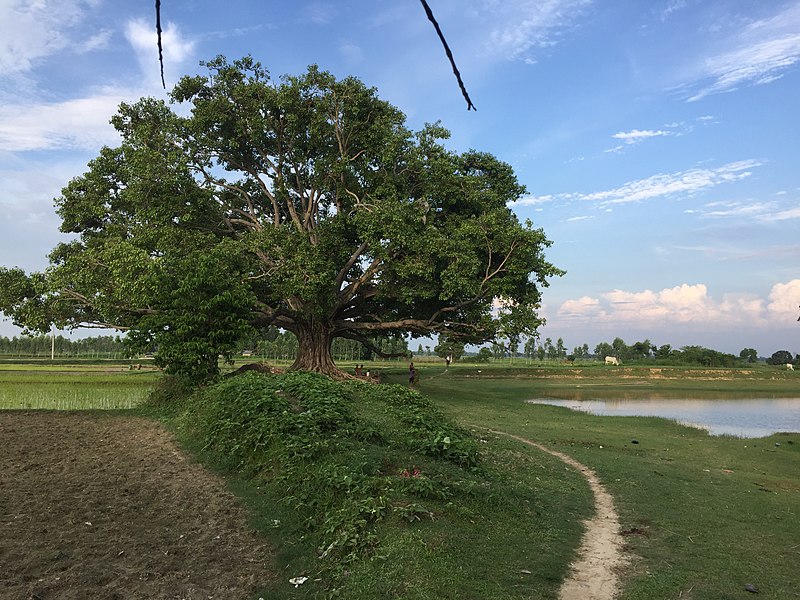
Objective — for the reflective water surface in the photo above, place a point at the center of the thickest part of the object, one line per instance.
(743, 416)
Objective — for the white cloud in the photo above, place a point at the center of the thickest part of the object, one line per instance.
(683, 182)
(97, 41)
(532, 200)
(682, 303)
(737, 209)
(784, 300)
(176, 50)
(31, 31)
(82, 123)
(782, 215)
(321, 13)
(672, 6)
(353, 53)
(634, 136)
(762, 211)
(759, 54)
(525, 25)
(662, 185)
(583, 309)
(685, 304)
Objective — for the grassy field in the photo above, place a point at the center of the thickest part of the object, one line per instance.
(73, 386)
(703, 516)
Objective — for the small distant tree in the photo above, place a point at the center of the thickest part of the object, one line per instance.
(663, 352)
(498, 350)
(602, 350)
(640, 350)
(484, 355)
(620, 349)
(530, 347)
(781, 357)
(581, 351)
(550, 349)
(451, 348)
(749, 355)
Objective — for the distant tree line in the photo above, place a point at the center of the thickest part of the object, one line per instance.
(42, 345)
(638, 352)
(272, 343)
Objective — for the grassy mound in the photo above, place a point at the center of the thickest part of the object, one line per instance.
(357, 483)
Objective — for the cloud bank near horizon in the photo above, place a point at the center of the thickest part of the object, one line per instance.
(685, 304)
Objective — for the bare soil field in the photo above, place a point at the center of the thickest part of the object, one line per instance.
(106, 507)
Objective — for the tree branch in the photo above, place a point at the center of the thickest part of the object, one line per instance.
(349, 265)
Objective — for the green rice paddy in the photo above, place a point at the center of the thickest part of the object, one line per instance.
(73, 387)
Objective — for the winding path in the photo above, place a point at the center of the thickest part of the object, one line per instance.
(595, 575)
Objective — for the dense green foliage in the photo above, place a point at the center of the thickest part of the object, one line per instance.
(341, 451)
(306, 204)
(782, 357)
(362, 472)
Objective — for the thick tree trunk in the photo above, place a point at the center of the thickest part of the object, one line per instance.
(314, 349)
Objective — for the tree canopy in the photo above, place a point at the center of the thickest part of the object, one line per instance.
(305, 204)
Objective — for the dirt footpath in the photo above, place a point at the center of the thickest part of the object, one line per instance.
(106, 507)
(595, 574)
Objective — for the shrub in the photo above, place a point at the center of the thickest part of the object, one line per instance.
(345, 455)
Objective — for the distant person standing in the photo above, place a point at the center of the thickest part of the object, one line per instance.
(412, 374)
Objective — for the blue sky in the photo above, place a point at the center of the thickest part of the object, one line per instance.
(658, 140)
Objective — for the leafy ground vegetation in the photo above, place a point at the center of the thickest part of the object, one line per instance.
(373, 493)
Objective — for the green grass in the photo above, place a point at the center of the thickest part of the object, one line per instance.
(372, 493)
(705, 515)
(75, 387)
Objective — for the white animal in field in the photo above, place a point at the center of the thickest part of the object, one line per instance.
(612, 360)
(789, 367)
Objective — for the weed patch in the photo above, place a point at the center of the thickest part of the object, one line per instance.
(346, 456)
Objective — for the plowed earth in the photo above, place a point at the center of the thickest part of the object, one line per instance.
(107, 507)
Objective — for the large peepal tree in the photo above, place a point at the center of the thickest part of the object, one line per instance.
(306, 204)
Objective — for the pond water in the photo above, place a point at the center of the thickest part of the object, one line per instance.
(743, 417)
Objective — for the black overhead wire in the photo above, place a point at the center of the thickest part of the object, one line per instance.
(160, 50)
(428, 12)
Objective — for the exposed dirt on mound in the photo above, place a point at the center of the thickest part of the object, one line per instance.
(105, 507)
